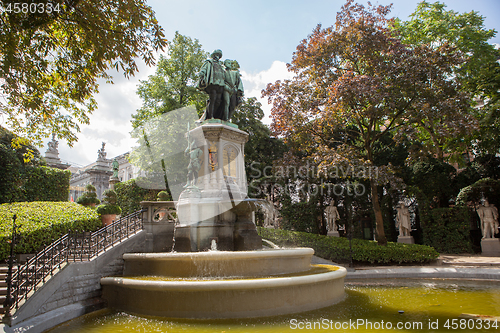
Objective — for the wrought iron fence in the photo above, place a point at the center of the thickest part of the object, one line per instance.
(69, 248)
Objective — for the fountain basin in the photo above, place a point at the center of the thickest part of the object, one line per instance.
(223, 284)
(231, 298)
(218, 263)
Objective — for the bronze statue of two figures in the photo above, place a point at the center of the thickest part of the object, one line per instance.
(222, 82)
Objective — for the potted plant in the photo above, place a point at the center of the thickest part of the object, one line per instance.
(108, 209)
(163, 196)
(89, 197)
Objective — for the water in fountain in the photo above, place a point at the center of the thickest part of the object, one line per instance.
(422, 301)
(213, 245)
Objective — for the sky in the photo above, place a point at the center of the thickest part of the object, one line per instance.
(260, 35)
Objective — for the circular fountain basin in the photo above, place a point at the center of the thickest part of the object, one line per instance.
(226, 298)
(219, 263)
(220, 284)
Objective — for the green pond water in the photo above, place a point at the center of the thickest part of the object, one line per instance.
(432, 305)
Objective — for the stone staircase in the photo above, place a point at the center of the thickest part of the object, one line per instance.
(3, 285)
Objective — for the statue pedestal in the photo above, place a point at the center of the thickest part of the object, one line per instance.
(490, 247)
(112, 181)
(333, 234)
(406, 239)
(217, 208)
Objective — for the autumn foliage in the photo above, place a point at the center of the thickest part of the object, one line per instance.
(356, 82)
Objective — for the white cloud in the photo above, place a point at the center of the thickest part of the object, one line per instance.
(255, 83)
(110, 123)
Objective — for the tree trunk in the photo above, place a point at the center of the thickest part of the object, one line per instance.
(379, 220)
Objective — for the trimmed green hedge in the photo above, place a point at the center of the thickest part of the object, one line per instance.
(337, 248)
(39, 223)
(130, 195)
(447, 230)
(486, 187)
(46, 184)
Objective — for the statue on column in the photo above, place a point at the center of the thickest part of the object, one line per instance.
(488, 214)
(101, 154)
(52, 145)
(212, 81)
(223, 86)
(403, 220)
(233, 91)
(332, 215)
(115, 165)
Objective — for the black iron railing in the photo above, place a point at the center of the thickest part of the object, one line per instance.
(69, 248)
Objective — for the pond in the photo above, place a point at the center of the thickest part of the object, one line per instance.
(436, 305)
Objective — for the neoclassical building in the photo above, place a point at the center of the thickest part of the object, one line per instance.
(97, 173)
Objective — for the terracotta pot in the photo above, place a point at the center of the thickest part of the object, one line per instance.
(107, 219)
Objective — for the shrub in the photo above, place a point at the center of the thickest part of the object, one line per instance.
(109, 197)
(337, 248)
(23, 176)
(109, 205)
(447, 230)
(300, 216)
(46, 184)
(108, 209)
(39, 223)
(10, 174)
(89, 197)
(130, 195)
(164, 196)
(486, 187)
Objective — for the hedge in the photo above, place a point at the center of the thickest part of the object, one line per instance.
(39, 223)
(486, 187)
(46, 184)
(337, 248)
(130, 195)
(447, 230)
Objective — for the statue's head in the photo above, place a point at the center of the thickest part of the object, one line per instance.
(486, 203)
(217, 54)
(235, 65)
(228, 63)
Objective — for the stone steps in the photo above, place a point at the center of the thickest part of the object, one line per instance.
(4, 269)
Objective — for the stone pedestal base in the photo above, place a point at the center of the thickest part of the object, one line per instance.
(490, 247)
(112, 182)
(159, 236)
(406, 239)
(333, 234)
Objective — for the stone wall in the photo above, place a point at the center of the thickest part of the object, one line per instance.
(82, 287)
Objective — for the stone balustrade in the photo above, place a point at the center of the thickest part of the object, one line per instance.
(159, 219)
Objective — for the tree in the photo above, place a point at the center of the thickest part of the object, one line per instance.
(174, 83)
(479, 73)
(13, 165)
(358, 79)
(434, 26)
(53, 53)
